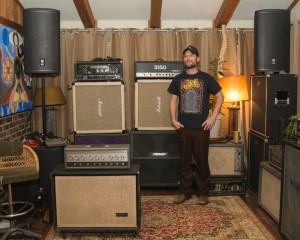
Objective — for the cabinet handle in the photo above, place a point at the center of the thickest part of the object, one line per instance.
(293, 182)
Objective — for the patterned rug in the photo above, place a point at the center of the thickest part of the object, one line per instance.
(225, 217)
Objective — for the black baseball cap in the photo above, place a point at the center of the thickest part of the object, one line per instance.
(192, 49)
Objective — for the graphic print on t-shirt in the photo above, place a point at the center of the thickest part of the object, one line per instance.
(191, 96)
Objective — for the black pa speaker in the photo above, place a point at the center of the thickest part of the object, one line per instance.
(272, 40)
(41, 41)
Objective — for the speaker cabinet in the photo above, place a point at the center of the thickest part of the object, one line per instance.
(257, 152)
(289, 211)
(226, 158)
(157, 154)
(269, 189)
(96, 200)
(272, 40)
(152, 105)
(42, 41)
(98, 107)
(273, 101)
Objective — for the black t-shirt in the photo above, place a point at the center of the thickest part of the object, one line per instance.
(193, 92)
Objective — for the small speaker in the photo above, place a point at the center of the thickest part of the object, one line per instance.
(157, 154)
(289, 212)
(98, 107)
(269, 189)
(152, 105)
(96, 200)
(226, 159)
(272, 40)
(42, 41)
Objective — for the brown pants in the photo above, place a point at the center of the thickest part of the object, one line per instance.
(193, 141)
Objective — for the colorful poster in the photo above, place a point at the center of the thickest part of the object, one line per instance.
(15, 86)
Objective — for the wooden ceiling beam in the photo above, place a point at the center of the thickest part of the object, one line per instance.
(155, 15)
(293, 4)
(85, 12)
(225, 13)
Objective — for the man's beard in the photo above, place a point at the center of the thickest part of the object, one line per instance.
(191, 66)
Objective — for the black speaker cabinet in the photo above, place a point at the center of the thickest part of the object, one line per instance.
(289, 211)
(42, 41)
(96, 200)
(98, 107)
(257, 152)
(272, 40)
(273, 101)
(157, 154)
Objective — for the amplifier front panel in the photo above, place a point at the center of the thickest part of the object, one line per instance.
(98, 107)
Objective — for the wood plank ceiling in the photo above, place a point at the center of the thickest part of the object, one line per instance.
(223, 17)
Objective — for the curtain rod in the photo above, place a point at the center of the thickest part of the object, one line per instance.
(77, 30)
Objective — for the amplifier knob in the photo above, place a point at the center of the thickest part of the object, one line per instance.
(91, 157)
(70, 157)
(111, 157)
(97, 157)
(76, 157)
(82, 158)
(122, 157)
(116, 157)
(102, 157)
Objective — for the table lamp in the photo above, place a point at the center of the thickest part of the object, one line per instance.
(53, 97)
(234, 89)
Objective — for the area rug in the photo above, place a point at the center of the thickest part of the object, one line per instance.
(225, 217)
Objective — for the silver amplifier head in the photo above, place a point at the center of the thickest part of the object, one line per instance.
(115, 156)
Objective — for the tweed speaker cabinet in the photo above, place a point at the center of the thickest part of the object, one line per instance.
(98, 107)
(96, 200)
(269, 189)
(289, 209)
(226, 158)
(152, 105)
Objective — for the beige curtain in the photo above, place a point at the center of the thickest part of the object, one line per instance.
(246, 68)
(139, 45)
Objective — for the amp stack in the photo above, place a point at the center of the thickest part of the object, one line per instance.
(88, 190)
(153, 141)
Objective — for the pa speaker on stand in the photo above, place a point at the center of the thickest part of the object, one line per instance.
(272, 41)
(42, 41)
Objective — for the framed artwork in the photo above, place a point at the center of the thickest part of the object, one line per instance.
(15, 86)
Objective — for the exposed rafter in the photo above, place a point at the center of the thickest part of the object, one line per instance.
(155, 15)
(293, 4)
(85, 12)
(225, 13)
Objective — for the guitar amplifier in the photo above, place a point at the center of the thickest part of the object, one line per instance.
(157, 69)
(98, 71)
(115, 156)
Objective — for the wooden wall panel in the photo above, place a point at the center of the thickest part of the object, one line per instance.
(11, 14)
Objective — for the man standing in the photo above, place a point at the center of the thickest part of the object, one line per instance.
(190, 93)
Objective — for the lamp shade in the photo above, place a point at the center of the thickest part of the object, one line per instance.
(234, 88)
(53, 97)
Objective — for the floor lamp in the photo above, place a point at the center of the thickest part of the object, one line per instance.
(47, 98)
(235, 90)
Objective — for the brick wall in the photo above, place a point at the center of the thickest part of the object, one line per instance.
(14, 126)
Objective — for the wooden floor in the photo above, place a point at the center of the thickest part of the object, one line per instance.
(40, 226)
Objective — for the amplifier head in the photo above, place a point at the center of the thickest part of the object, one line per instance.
(115, 156)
